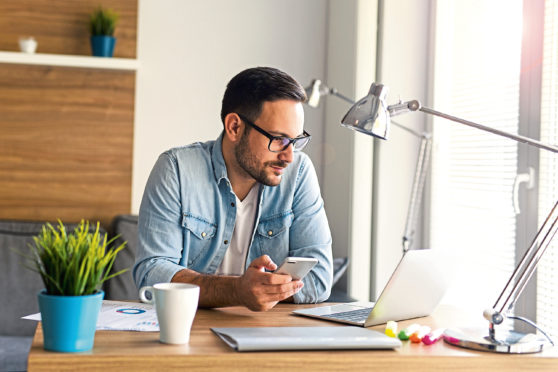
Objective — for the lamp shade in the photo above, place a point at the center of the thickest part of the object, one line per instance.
(370, 115)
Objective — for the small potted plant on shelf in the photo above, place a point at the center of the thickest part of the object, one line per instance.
(73, 266)
(101, 25)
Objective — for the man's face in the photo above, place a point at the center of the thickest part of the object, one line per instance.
(279, 118)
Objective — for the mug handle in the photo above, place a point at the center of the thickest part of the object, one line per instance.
(142, 295)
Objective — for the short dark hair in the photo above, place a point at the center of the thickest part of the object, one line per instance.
(248, 90)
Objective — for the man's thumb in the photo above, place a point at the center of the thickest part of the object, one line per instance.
(264, 262)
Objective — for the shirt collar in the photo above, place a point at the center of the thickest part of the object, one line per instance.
(219, 167)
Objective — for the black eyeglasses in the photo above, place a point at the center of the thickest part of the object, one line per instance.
(280, 143)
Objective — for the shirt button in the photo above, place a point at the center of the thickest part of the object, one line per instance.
(270, 233)
(203, 234)
(232, 204)
(226, 242)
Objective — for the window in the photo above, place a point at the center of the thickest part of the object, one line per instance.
(477, 76)
(478, 71)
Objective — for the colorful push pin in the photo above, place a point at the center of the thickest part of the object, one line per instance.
(417, 336)
(391, 329)
(433, 336)
(407, 332)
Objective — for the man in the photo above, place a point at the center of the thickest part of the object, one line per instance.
(224, 213)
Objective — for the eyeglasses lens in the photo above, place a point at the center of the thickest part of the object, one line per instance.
(300, 143)
(279, 144)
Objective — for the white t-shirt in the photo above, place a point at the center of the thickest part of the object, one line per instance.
(235, 257)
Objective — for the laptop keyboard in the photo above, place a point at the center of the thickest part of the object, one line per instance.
(359, 315)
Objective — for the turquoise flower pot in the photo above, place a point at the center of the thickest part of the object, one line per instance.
(69, 322)
(102, 46)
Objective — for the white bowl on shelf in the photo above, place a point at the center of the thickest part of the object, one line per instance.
(27, 45)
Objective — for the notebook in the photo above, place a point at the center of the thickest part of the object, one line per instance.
(414, 290)
(304, 338)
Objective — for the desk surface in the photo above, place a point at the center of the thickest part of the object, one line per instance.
(116, 350)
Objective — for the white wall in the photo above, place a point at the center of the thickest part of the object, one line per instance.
(189, 49)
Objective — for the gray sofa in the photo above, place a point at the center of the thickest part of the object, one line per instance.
(123, 287)
(18, 293)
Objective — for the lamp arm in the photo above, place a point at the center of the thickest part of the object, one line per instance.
(333, 91)
(515, 137)
(526, 267)
(420, 170)
(422, 160)
(404, 107)
(416, 192)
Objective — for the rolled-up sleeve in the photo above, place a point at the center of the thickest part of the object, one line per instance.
(310, 236)
(160, 238)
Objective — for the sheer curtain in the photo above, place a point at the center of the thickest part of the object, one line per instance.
(477, 73)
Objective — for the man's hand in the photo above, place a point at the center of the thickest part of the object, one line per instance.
(259, 290)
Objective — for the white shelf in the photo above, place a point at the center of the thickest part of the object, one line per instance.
(69, 61)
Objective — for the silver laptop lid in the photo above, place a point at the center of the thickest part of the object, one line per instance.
(414, 289)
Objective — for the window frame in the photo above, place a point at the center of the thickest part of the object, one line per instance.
(530, 91)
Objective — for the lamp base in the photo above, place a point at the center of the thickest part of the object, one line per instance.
(509, 342)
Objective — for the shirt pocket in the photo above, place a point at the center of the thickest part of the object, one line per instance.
(198, 236)
(273, 235)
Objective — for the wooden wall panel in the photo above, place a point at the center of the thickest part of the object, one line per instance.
(61, 26)
(65, 143)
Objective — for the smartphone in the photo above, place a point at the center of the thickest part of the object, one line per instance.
(296, 267)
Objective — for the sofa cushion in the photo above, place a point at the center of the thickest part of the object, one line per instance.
(19, 284)
(123, 287)
(13, 353)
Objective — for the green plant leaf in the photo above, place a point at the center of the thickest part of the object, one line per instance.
(103, 22)
(72, 264)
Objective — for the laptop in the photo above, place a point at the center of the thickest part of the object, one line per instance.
(414, 290)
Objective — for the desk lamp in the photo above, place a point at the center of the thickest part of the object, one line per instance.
(317, 89)
(371, 115)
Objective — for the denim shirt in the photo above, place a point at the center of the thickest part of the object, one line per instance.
(188, 211)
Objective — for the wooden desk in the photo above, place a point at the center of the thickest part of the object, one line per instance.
(138, 351)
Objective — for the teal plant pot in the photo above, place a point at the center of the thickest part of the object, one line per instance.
(102, 46)
(69, 322)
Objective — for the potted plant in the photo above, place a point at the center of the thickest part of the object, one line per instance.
(101, 25)
(73, 266)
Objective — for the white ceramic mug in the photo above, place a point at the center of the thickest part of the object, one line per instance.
(176, 305)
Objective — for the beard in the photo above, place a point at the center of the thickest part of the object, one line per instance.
(250, 164)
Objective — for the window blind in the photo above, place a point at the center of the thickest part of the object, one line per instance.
(547, 276)
(473, 172)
